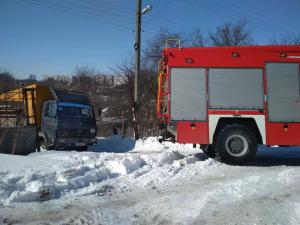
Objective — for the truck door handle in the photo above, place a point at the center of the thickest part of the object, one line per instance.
(193, 125)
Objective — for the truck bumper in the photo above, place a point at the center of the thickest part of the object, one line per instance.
(74, 142)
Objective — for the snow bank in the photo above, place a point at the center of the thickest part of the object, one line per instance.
(113, 144)
(118, 144)
(16, 162)
(126, 165)
(55, 174)
(118, 163)
(146, 182)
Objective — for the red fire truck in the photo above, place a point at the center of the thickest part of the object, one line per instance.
(231, 99)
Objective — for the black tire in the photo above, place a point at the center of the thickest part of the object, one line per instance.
(235, 144)
(167, 135)
(209, 151)
(43, 144)
(82, 149)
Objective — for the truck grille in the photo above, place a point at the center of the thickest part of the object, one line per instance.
(75, 133)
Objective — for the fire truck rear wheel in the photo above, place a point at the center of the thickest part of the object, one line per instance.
(235, 144)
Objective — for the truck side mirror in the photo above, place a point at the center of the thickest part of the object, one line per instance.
(50, 109)
(45, 109)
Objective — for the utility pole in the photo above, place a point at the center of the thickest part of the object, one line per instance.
(137, 48)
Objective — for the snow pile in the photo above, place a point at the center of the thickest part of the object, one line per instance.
(151, 144)
(84, 173)
(118, 144)
(126, 165)
(113, 144)
(146, 182)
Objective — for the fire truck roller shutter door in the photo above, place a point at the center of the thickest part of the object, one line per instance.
(188, 94)
(283, 92)
(236, 88)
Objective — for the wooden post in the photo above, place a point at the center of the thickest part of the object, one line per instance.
(123, 125)
(26, 106)
(37, 141)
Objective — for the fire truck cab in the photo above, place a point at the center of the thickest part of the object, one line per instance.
(231, 99)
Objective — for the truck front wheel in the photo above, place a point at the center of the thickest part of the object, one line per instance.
(43, 144)
(82, 149)
(235, 144)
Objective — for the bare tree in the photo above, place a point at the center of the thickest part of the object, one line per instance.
(155, 45)
(125, 72)
(60, 82)
(7, 81)
(286, 40)
(231, 34)
(197, 38)
(148, 76)
(147, 94)
(122, 99)
(84, 71)
(93, 84)
(83, 78)
(32, 77)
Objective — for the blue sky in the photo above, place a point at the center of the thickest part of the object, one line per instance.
(54, 36)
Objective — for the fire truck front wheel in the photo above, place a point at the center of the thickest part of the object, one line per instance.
(235, 144)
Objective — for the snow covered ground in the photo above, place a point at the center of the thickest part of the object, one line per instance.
(120, 181)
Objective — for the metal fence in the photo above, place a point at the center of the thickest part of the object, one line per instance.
(106, 129)
(18, 128)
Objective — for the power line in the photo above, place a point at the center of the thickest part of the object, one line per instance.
(117, 13)
(236, 8)
(81, 9)
(107, 12)
(211, 8)
(114, 6)
(175, 25)
(165, 21)
(88, 13)
(251, 12)
(155, 16)
(72, 12)
(218, 10)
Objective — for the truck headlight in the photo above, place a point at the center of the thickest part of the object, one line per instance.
(92, 130)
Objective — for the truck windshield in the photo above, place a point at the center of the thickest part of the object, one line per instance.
(74, 111)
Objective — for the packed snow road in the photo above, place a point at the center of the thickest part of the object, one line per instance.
(119, 181)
